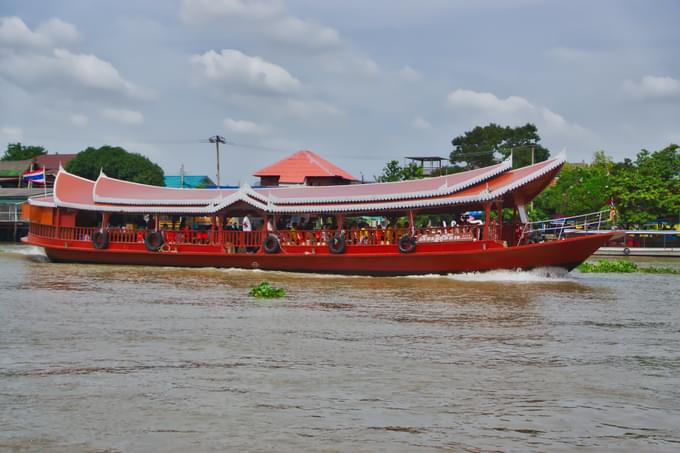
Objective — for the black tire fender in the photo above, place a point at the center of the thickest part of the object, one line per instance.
(271, 244)
(100, 240)
(626, 251)
(336, 244)
(154, 241)
(407, 244)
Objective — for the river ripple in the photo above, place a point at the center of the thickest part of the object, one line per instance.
(113, 358)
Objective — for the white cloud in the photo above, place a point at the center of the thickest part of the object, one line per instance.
(201, 11)
(513, 110)
(244, 127)
(14, 33)
(123, 116)
(58, 31)
(486, 101)
(10, 135)
(409, 74)
(236, 70)
(304, 34)
(350, 63)
(653, 87)
(421, 123)
(94, 72)
(78, 119)
(31, 61)
(267, 17)
(62, 66)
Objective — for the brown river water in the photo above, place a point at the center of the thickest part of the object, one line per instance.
(136, 359)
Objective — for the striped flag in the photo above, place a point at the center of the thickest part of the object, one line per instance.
(36, 176)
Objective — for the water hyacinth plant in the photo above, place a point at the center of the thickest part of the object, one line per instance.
(266, 290)
(621, 266)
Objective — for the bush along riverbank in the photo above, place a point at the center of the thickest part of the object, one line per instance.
(620, 266)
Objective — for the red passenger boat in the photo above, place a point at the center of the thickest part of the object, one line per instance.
(308, 229)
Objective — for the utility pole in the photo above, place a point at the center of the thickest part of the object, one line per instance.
(533, 149)
(217, 139)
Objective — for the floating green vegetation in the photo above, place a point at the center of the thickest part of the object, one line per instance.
(621, 266)
(266, 290)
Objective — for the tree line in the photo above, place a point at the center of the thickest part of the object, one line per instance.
(643, 190)
(114, 161)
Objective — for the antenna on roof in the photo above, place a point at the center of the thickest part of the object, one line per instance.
(217, 139)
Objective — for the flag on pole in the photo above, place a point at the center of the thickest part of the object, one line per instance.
(36, 176)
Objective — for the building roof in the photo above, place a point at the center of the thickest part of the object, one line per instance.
(14, 168)
(51, 162)
(190, 181)
(470, 189)
(295, 168)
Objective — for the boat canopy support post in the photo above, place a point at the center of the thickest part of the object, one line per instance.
(57, 221)
(340, 220)
(411, 222)
(487, 221)
(499, 219)
(157, 222)
(105, 220)
(523, 213)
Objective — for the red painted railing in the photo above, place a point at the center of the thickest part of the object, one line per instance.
(236, 240)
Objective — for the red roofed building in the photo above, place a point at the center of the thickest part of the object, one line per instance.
(51, 163)
(304, 168)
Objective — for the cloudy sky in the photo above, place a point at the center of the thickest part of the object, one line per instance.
(360, 82)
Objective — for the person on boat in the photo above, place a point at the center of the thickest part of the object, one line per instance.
(389, 234)
(354, 233)
(473, 221)
(379, 234)
(294, 233)
(363, 234)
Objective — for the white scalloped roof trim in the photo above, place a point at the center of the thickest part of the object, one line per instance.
(36, 201)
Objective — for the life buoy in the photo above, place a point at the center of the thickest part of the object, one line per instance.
(153, 241)
(337, 244)
(407, 244)
(100, 240)
(271, 244)
(626, 251)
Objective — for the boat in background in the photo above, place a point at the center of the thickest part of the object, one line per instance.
(309, 228)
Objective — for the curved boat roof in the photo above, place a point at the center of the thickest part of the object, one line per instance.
(497, 183)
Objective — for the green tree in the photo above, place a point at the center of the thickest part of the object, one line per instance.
(579, 189)
(648, 188)
(116, 163)
(17, 151)
(395, 172)
(481, 146)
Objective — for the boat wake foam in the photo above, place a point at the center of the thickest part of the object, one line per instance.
(25, 250)
(538, 275)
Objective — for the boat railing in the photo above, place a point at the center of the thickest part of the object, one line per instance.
(382, 236)
(454, 233)
(556, 229)
(235, 240)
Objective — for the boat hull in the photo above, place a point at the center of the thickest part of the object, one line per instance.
(566, 254)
